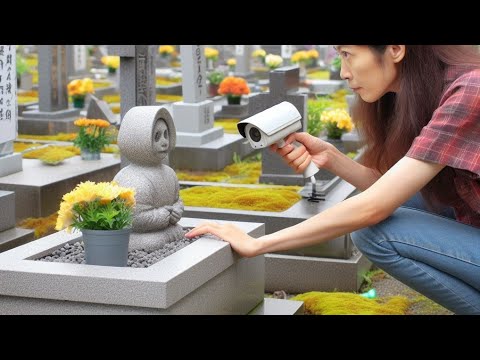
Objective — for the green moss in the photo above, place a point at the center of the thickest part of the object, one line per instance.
(262, 199)
(340, 303)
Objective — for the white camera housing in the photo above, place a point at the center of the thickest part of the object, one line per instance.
(271, 125)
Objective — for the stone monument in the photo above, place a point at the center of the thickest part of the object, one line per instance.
(194, 115)
(9, 162)
(145, 138)
(283, 87)
(137, 75)
(53, 114)
(243, 55)
(200, 146)
(77, 61)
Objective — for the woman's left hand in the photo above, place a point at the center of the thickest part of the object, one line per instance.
(242, 243)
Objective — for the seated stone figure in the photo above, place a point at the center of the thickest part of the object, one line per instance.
(147, 134)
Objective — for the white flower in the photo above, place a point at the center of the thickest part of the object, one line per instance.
(273, 61)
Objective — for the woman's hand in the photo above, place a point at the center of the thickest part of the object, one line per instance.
(242, 243)
(311, 149)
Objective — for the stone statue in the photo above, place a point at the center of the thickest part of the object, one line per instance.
(147, 134)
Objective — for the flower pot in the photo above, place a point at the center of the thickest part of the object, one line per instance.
(213, 89)
(234, 99)
(106, 247)
(78, 101)
(88, 155)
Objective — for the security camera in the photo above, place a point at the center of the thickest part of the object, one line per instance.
(272, 126)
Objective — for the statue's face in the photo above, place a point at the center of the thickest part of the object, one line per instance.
(161, 137)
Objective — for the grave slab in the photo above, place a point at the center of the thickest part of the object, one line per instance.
(205, 277)
(39, 188)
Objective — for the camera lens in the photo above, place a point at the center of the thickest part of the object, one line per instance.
(255, 134)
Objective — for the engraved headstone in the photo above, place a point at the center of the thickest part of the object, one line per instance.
(52, 86)
(243, 55)
(137, 75)
(9, 162)
(194, 115)
(77, 60)
(283, 87)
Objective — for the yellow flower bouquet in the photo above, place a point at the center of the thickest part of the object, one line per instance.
(211, 54)
(103, 212)
(336, 122)
(92, 137)
(232, 62)
(96, 206)
(166, 50)
(112, 62)
(78, 89)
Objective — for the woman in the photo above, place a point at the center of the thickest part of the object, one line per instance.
(418, 109)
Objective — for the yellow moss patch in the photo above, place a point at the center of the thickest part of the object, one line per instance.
(229, 125)
(26, 99)
(340, 303)
(239, 173)
(57, 137)
(164, 81)
(37, 154)
(114, 98)
(19, 147)
(170, 98)
(101, 84)
(265, 199)
(319, 75)
(43, 226)
(55, 155)
(32, 93)
(32, 61)
(115, 109)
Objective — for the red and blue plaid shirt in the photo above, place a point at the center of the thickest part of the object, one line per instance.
(452, 138)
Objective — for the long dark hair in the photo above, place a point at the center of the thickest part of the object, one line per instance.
(390, 124)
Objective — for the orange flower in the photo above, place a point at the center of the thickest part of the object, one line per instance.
(233, 86)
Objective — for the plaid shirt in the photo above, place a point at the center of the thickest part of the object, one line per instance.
(452, 138)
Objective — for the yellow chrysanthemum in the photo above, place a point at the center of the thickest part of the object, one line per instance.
(166, 49)
(89, 191)
(259, 53)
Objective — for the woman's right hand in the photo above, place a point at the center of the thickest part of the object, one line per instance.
(311, 149)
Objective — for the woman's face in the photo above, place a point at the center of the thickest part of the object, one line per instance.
(367, 75)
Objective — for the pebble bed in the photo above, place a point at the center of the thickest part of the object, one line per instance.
(74, 253)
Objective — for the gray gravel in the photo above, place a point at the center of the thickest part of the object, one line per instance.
(74, 253)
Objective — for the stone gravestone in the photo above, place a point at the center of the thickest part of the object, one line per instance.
(283, 87)
(9, 162)
(99, 109)
(53, 95)
(243, 54)
(77, 61)
(11, 236)
(286, 54)
(193, 116)
(137, 75)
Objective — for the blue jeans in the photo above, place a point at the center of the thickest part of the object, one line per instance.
(433, 254)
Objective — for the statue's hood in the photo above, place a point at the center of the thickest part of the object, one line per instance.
(135, 138)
